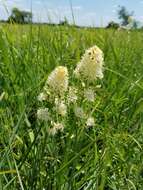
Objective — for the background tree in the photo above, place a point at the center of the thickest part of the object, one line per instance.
(19, 16)
(135, 24)
(124, 16)
(113, 24)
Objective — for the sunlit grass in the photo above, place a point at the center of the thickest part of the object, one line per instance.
(107, 156)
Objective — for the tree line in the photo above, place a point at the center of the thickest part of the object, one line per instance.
(126, 18)
(19, 16)
(25, 17)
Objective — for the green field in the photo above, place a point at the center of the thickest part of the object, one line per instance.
(108, 156)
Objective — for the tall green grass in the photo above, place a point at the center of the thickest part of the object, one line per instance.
(108, 156)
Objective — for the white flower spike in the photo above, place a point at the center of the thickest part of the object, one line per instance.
(58, 80)
(91, 65)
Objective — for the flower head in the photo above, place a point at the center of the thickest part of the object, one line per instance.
(89, 95)
(42, 97)
(72, 95)
(79, 112)
(56, 127)
(59, 126)
(52, 131)
(90, 122)
(61, 108)
(43, 114)
(91, 65)
(57, 81)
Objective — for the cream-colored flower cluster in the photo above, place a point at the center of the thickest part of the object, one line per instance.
(91, 65)
(62, 97)
(54, 92)
(57, 81)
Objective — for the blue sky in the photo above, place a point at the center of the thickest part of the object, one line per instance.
(86, 12)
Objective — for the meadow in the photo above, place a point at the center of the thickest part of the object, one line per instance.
(108, 156)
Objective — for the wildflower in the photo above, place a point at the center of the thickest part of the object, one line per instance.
(43, 114)
(58, 80)
(61, 108)
(42, 97)
(72, 95)
(89, 95)
(56, 127)
(91, 65)
(52, 131)
(79, 112)
(90, 122)
(59, 126)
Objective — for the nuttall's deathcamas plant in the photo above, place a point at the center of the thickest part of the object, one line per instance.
(88, 70)
(81, 96)
(57, 82)
(91, 65)
(54, 93)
